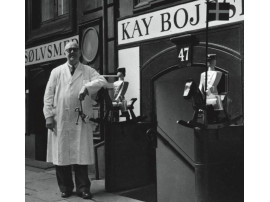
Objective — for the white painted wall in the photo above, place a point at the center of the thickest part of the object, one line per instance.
(130, 59)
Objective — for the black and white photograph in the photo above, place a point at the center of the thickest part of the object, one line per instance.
(136, 101)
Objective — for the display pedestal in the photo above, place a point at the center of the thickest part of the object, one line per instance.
(129, 157)
(214, 173)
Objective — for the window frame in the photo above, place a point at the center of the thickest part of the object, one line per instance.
(58, 25)
(141, 5)
(56, 16)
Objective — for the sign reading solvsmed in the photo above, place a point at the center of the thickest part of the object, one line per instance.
(47, 52)
(174, 20)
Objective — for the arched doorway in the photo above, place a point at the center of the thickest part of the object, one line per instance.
(182, 172)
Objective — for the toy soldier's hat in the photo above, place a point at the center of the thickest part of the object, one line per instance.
(211, 57)
(122, 70)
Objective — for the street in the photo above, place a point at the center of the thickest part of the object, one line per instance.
(41, 185)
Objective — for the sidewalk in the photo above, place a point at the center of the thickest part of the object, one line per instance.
(41, 185)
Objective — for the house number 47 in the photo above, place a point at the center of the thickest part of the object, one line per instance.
(183, 54)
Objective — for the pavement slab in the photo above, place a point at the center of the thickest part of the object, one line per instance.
(32, 199)
(41, 186)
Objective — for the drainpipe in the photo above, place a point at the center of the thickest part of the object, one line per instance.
(104, 55)
(104, 37)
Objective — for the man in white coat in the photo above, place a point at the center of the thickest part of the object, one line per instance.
(70, 144)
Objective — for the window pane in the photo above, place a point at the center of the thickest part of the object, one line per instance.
(63, 7)
(47, 9)
(91, 4)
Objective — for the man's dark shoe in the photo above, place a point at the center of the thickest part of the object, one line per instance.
(66, 194)
(85, 195)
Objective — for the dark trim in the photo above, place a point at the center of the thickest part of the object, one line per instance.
(111, 39)
(153, 5)
(155, 56)
(96, 9)
(203, 65)
(186, 39)
(163, 72)
(92, 10)
(221, 48)
(110, 5)
(85, 25)
(58, 18)
(177, 2)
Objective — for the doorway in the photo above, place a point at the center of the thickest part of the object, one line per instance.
(36, 122)
(175, 144)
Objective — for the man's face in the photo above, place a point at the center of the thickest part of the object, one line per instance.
(72, 53)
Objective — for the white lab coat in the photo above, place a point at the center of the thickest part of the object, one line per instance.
(70, 143)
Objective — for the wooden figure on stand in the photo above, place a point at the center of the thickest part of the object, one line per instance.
(114, 98)
(120, 87)
(213, 98)
(206, 100)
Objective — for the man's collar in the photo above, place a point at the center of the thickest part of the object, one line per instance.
(76, 65)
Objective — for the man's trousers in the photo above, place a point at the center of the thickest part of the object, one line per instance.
(65, 181)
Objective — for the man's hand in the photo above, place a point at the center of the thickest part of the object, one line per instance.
(83, 92)
(50, 123)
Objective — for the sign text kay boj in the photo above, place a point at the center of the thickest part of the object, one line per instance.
(174, 20)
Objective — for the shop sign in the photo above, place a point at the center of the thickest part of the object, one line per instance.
(47, 52)
(174, 20)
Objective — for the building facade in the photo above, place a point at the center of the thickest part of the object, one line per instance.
(161, 44)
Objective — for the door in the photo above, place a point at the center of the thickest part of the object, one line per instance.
(175, 143)
(38, 78)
